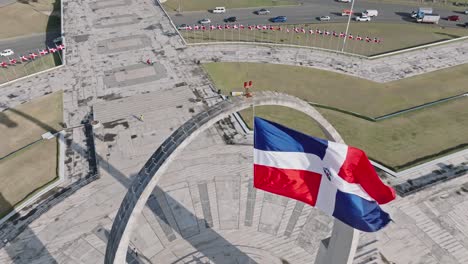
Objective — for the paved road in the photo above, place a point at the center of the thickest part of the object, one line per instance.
(309, 12)
(24, 45)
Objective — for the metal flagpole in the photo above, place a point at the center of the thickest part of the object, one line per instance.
(58, 53)
(41, 56)
(13, 68)
(4, 74)
(347, 25)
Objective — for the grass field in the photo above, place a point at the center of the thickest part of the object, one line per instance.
(29, 169)
(26, 172)
(28, 68)
(27, 122)
(394, 142)
(325, 87)
(198, 5)
(20, 19)
(393, 36)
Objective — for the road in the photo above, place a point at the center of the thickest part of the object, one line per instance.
(24, 45)
(309, 12)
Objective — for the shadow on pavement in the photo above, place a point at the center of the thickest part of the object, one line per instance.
(23, 251)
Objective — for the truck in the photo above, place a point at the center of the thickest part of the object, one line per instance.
(370, 13)
(430, 18)
(421, 12)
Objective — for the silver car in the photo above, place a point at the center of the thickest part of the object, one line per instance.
(324, 18)
(205, 21)
(262, 11)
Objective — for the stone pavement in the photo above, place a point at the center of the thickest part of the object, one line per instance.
(382, 70)
(205, 208)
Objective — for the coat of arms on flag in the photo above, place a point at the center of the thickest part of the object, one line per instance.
(336, 178)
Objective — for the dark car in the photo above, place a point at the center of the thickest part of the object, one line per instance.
(453, 18)
(262, 11)
(230, 19)
(466, 24)
(279, 19)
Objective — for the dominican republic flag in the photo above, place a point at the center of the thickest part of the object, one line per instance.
(336, 178)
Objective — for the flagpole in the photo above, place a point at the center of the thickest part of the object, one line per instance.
(14, 71)
(347, 25)
(58, 53)
(4, 74)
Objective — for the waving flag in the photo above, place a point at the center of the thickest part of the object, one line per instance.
(337, 179)
(212, 27)
(359, 38)
(52, 50)
(311, 31)
(3, 64)
(241, 26)
(33, 56)
(335, 34)
(43, 52)
(24, 58)
(350, 36)
(13, 61)
(235, 27)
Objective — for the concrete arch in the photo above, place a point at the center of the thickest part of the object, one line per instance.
(147, 179)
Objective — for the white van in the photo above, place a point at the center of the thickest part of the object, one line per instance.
(219, 10)
(370, 13)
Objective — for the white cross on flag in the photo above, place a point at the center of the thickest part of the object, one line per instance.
(33, 55)
(241, 26)
(60, 47)
(43, 52)
(3, 64)
(23, 58)
(235, 27)
(13, 62)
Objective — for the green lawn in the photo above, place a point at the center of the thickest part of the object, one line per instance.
(27, 68)
(31, 168)
(397, 142)
(27, 122)
(198, 5)
(393, 36)
(26, 172)
(339, 90)
(20, 19)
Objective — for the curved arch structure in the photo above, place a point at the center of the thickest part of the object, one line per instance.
(148, 177)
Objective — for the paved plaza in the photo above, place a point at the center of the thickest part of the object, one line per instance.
(204, 209)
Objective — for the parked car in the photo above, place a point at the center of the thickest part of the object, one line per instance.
(205, 21)
(262, 11)
(182, 27)
(279, 19)
(324, 18)
(453, 18)
(345, 1)
(363, 18)
(466, 12)
(6, 53)
(230, 19)
(466, 24)
(219, 10)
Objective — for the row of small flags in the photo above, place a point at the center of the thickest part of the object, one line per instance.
(287, 30)
(31, 56)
